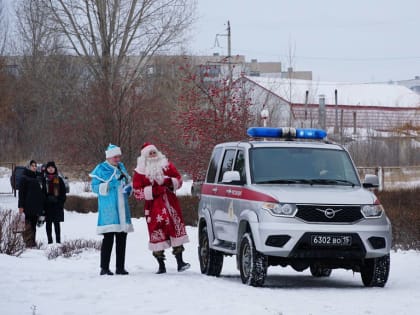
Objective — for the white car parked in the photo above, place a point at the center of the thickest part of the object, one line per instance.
(291, 202)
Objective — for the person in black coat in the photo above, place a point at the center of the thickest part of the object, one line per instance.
(31, 202)
(55, 196)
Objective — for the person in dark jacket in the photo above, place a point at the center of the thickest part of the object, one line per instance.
(55, 196)
(31, 202)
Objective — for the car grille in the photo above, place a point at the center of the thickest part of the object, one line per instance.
(329, 213)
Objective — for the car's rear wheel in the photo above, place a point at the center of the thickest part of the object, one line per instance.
(375, 271)
(211, 261)
(319, 271)
(252, 264)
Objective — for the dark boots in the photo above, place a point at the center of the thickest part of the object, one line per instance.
(160, 257)
(182, 266)
(106, 272)
(177, 251)
(162, 268)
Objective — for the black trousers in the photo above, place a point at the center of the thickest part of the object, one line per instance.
(48, 227)
(106, 249)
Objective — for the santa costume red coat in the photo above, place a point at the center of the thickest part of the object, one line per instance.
(161, 208)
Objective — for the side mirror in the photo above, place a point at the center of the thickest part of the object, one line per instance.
(231, 176)
(371, 181)
(196, 189)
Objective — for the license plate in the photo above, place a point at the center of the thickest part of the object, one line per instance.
(331, 240)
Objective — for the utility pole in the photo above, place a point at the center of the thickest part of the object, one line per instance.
(229, 52)
(336, 113)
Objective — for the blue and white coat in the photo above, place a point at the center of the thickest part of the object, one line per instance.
(113, 209)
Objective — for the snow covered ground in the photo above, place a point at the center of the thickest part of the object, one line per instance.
(32, 284)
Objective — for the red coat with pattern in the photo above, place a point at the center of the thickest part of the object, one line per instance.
(161, 209)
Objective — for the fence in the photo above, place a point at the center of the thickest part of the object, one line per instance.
(390, 177)
(393, 177)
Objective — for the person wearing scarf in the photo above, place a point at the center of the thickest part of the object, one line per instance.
(55, 196)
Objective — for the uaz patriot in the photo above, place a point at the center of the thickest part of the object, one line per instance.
(291, 202)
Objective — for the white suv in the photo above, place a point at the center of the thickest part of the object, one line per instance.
(297, 203)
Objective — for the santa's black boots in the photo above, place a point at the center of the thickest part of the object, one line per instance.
(160, 257)
(182, 266)
(177, 251)
(162, 268)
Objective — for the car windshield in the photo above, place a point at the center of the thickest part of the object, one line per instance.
(302, 166)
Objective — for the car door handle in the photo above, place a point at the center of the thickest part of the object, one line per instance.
(229, 191)
(214, 190)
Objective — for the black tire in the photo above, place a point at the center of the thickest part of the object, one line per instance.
(375, 271)
(252, 264)
(211, 261)
(319, 271)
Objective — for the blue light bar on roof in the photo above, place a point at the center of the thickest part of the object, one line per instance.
(286, 132)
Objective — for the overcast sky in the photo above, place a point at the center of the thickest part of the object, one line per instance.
(356, 40)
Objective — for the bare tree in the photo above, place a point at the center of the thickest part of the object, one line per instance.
(37, 36)
(116, 38)
(47, 79)
(110, 31)
(3, 28)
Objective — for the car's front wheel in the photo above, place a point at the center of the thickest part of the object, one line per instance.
(252, 264)
(211, 261)
(375, 271)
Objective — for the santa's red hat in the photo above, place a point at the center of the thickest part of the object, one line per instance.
(146, 148)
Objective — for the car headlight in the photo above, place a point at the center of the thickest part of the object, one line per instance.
(281, 209)
(372, 211)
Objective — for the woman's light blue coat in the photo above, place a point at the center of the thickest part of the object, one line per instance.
(113, 210)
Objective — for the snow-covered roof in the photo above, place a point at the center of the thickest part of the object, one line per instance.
(362, 94)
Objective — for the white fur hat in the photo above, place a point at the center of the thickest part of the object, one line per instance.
(112, 151)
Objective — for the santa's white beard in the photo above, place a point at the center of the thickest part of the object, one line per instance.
(154, 168)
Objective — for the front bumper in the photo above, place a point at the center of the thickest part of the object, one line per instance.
(291, 238)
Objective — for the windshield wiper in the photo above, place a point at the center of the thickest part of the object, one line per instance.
(322, 181)
(284, 181)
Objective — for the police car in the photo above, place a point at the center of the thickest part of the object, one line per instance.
(288, 197)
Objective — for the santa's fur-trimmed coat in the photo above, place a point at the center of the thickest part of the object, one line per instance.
(161, 208)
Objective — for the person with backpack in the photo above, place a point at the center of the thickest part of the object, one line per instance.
(31, 202)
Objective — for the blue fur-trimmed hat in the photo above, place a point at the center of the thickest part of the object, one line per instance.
(112, 150)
